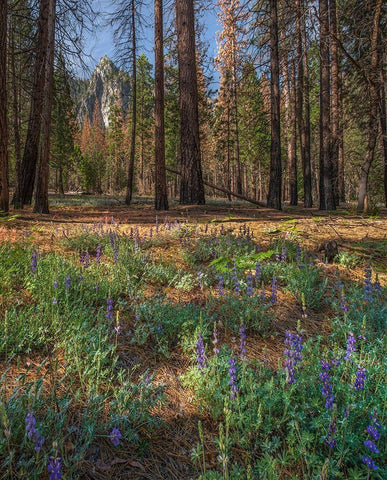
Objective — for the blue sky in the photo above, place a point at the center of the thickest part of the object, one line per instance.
(100, 42)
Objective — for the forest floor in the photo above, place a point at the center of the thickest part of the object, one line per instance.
(166, 453)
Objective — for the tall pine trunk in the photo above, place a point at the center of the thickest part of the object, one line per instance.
(15, 100)
(191, 185)
(130, 177)
(161, 194)
(336, 156)
(373, 109)
(43, 171)
(25, 186)
(327, 197)
(275, 185)
(4, 189)
(292, 147)
(302, 104)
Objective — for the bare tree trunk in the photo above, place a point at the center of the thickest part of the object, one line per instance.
(24, 189)
(237, 149)
(275, 185)
(327, 197)
(60, 181)
(373, 110)
(161, 194)
(15, 102)
(335, 102)
(4, 188)
(43, 171)
(383, 116)
(191, 186)
(129, 188)
(293, 187)
(302, 104)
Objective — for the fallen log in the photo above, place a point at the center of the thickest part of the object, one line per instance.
(225, 190)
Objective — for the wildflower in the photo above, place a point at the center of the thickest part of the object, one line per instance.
(351, 340)
(249, 282)
(330, 439)
(274, 290)
(369, 463)
(326, 380)
(368, 288)
(242, 346)
(109, 309)
(372, 431)
(55, 301)
(67, 283)
(86, 260)
(262, 295)
(293, 354)
(55, 284)
(55, 468)
(159, 328)
(115, 436)
(284, 254)
(220, 286)
(371, 446)
(34, 261)
(98, 254)
(257, 274)
(200, 276)
(377, 287)
(200, 354)
(360, 378)
(232, 371)
(33, 432)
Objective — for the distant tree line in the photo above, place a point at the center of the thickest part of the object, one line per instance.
(299, 113)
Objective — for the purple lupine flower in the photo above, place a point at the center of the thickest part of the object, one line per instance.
(277, 257)
(109, 309)
(115, 253)
(232, 372)
(98, 254)
(372, 431)
(351, 341)
(242, 346)
(330, 438)
(55, 301)
(201, 355)
(55, 284)
(33, 432)
(298, 253)
(370, 464)
(34, 261)
(54, 468)
(274, 290)
(326, 380)
(220, 286)
(368, 288)
(86, 260)
(215, 340)
(360, 378)
(284, 253)
(293, 354)
(371, 446)
(249, 283)
(115, 436)
(257, 274)
(159, 329)
(67, 283)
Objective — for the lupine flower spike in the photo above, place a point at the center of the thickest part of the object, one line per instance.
(55, 468)
(201, 355)
(115, 436)
(232, 372)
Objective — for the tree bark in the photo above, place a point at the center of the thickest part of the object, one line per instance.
(293, 187)
(327, 197)
(373, 109)
(161, 194)
(275, 185)
(4, 188)
(129, 188)
(302, 104)
(191, 186)
(43, 170)
(24, 188)
(336, 116)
